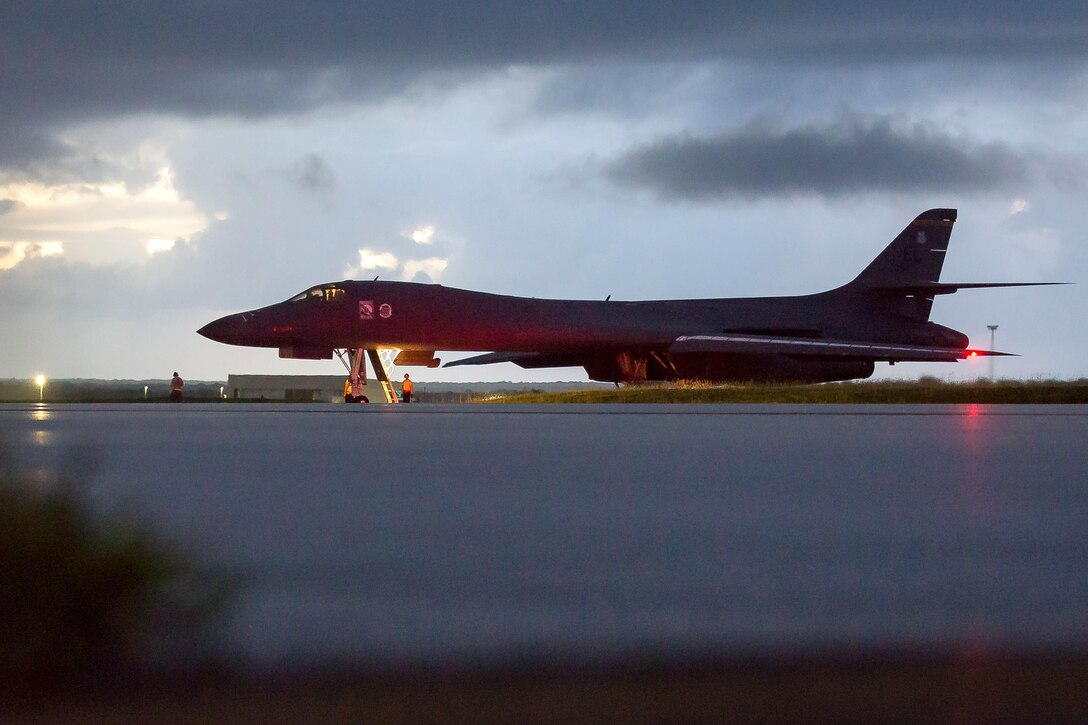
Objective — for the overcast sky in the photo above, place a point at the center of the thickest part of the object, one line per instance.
(161, 167)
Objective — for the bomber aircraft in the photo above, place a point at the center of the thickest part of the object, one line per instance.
(881, 316)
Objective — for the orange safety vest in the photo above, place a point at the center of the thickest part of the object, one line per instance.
(347, 387)
(407, 386)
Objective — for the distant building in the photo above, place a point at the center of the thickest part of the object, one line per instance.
(295, 388)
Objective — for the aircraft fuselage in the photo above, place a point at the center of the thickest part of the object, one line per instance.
(882, 315)
(411, 316)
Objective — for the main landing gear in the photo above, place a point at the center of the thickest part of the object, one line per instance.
(382, 362)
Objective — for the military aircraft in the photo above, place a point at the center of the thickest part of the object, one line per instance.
(881, 316)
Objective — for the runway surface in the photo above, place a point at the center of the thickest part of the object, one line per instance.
(451, 533)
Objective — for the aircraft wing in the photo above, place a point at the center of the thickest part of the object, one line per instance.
(753, 344)
(528, 360)
(804, 347)
(493, 357)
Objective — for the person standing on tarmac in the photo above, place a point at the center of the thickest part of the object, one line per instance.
(349, 397)
(406, 389)
(176, 384)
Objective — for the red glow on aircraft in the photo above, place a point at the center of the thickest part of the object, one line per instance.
(882, 315)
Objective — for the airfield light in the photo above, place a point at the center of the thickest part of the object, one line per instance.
(40, 382)
(145, 392)
(992, 329)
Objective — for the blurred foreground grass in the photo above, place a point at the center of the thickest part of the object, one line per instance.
(956, 686)
(925, 390)
(82, 594)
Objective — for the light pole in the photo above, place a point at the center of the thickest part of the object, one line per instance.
(992, 329)
(40, 382)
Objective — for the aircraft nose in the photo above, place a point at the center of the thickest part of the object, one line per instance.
(229, 330)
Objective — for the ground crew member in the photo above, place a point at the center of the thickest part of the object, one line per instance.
(406, 389)
(176, 384)
(348, 396)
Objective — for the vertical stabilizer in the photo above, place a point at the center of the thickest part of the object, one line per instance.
(898, 277)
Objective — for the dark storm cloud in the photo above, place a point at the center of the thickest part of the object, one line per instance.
(32, 152)
(849, 157)
(24, 144)
(312, 174)
(9, 205)
(65, 61)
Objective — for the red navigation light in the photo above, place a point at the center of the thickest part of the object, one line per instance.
(973, 353)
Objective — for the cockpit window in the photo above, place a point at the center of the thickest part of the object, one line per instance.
(332, 293)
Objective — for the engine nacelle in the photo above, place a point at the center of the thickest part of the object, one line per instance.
(420, 358)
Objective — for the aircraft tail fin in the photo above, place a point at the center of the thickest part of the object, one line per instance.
(903, 278)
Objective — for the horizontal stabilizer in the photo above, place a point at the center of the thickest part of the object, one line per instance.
(969, 352)
(800, 347)
(947, 288)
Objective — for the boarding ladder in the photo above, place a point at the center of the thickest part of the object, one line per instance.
(382, 362)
